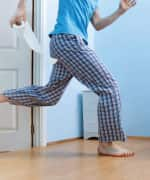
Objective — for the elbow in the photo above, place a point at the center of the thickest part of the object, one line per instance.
(97, 28)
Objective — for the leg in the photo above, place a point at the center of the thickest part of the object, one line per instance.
(47, 95)
(3, 98)
(83, 63)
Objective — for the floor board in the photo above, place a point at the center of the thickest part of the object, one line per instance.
(76, 160)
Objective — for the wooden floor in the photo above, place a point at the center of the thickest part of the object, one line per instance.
(76, 160)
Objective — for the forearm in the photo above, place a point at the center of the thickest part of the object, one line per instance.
(21, 4)
(104, 22)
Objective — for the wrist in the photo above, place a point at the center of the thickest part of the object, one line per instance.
(121, 11)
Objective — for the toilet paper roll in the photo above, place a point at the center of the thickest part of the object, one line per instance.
(24, 31)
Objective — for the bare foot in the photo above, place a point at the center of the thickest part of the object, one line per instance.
(3, 98)
(110, 149)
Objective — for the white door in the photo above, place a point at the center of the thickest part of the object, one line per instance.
(15, 72)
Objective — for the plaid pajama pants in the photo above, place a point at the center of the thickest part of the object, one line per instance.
(76, 59)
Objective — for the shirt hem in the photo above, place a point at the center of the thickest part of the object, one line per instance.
(84, 39)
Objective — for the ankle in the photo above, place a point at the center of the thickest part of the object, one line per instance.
(105, 144)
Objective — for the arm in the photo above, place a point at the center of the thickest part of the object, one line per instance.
(21, 4)
(20, 14)
(100, 23)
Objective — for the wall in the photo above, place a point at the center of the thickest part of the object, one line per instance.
(125, 49)
(64, 120)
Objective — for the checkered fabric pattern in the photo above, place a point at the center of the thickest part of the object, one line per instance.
(76, 59)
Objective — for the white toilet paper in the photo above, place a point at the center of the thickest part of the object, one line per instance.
(25, 31)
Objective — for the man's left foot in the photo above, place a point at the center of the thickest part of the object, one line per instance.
(3, 98)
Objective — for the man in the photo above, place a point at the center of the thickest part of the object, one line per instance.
(69, 44)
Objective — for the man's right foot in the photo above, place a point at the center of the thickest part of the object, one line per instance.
(110, 149)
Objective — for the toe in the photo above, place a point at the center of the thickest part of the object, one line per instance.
(130, 154)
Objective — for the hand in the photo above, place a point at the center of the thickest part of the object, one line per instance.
(19, 16)
(126, 5)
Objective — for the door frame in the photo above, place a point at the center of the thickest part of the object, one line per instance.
(39, 113)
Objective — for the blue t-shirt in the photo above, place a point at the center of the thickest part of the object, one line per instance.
(74, 17)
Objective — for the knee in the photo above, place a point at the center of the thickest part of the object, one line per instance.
(109, 90)
(115, 87)
(52, 102)
(114, 90)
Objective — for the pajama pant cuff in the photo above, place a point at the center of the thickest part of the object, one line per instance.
(109, 139)
(12, 98)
